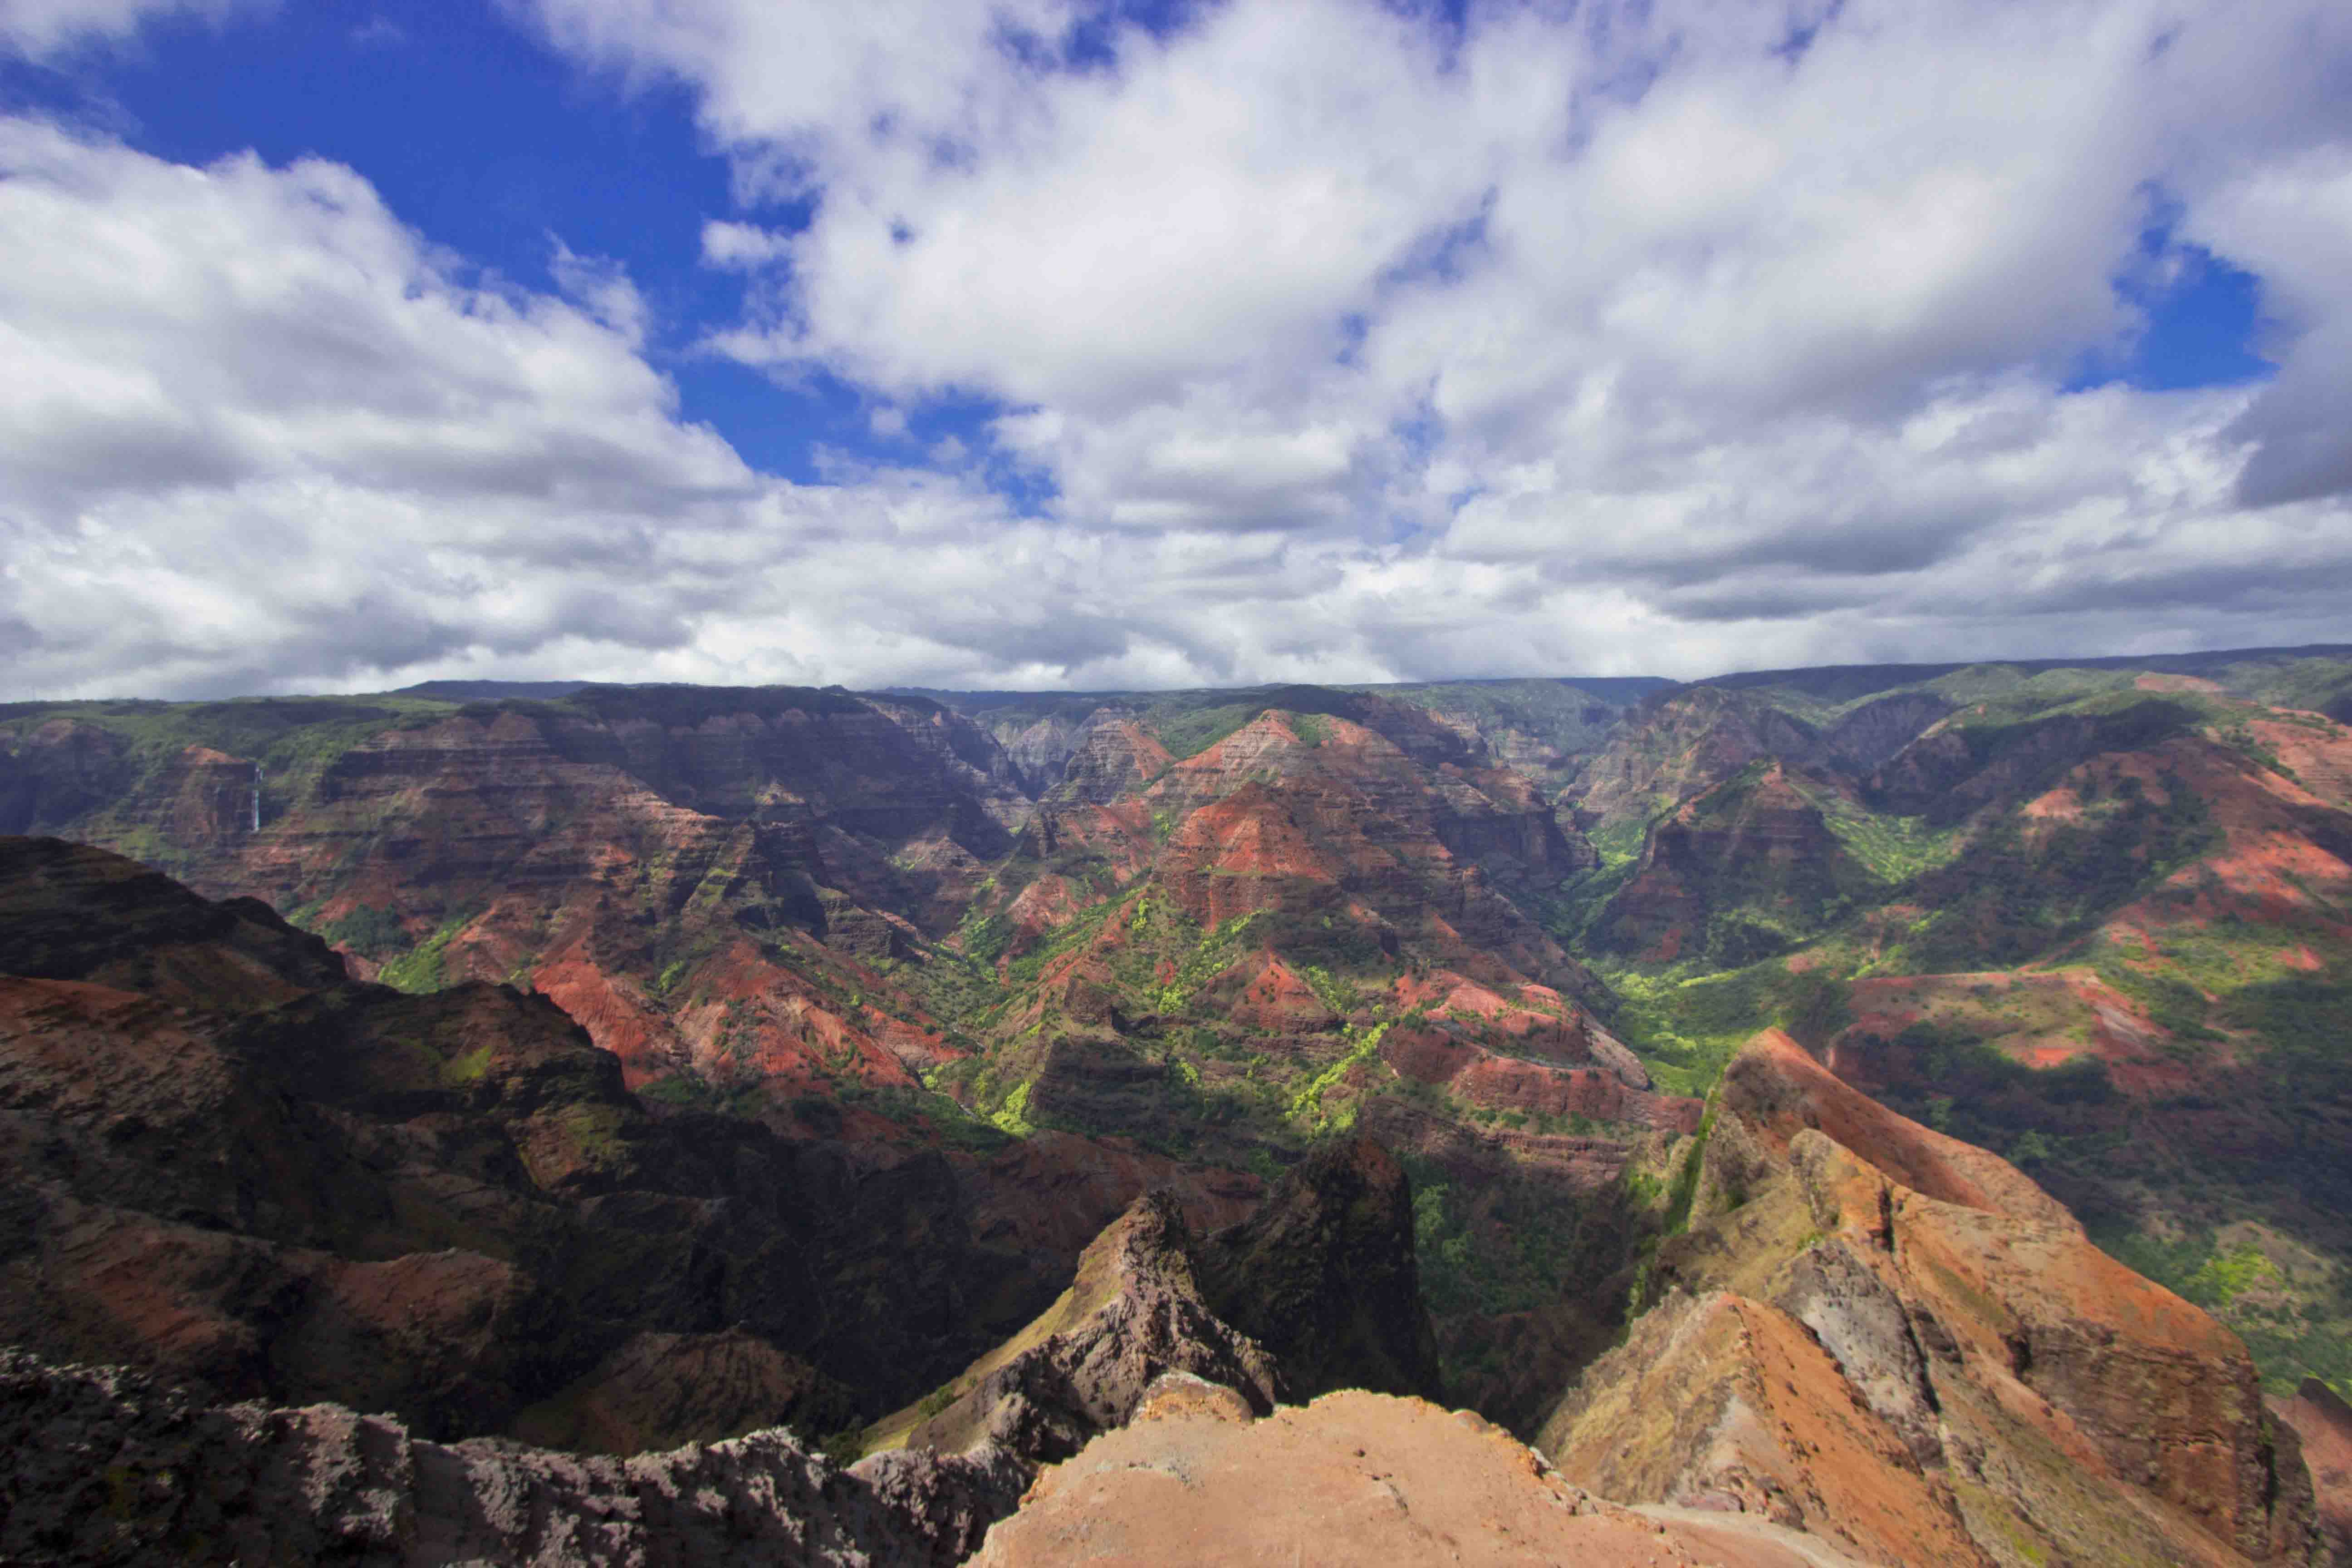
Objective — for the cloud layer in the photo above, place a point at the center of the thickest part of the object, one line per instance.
(1347, 343)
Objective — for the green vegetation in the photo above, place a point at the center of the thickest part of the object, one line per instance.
(1685, 1026)
(367, 931)
(2172, 1003)
(1619, 842)
(1190, 722)
(1893, 849)
(983, 938)
(2224, 1276)
(2305, 1025)
(1958, 1084)
(2011, 898)
(2314, 685)
(467, 1069)
(1684, 1192)
(1186, 733)
(2290, 1303)
(420, 968)
(1306, 1106)
(1013, 1116)
(1336, 994)
(1515, 1244)
(1210, 957)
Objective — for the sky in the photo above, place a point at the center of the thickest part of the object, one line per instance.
(1061, 343)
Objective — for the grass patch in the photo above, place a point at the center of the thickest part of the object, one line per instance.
(1893, 849)
(421, 967)
(1306, 1107)
(1686, 1026)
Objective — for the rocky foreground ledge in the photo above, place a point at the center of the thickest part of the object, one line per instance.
(105, 1466)
(1353, 1478)
(102, 1466)
(1167, 1422)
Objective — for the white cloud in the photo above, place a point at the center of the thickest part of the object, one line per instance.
(40, 28)
(1620, 338)
(600, 288)
(1753, 315)
(255, 428)
(2292, 224)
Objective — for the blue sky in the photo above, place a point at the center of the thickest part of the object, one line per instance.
(1034, 344)
(482, 138)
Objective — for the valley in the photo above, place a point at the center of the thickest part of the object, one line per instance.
(652, 1065)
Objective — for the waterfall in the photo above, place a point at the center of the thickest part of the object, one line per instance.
(257, 797)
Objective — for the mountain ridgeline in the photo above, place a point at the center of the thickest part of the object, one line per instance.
(612, 1068)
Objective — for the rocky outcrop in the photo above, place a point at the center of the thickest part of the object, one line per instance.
(2322, 1423)
(1728, 1404)
(1323, 1275)
(1040, 746)
(1352, 1477)
(1774, 1090)
(1115, 756)
(1883, 1335)
(939, 1506)
(59, 771)
(1324, 1269)
(101, 1466)
(1133, 1314)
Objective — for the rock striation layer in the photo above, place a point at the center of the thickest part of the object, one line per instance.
(1898, 1342)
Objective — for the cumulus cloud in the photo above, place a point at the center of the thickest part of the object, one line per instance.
(1759, 317)
(1329, 339)
(259, 428)
(264, 436)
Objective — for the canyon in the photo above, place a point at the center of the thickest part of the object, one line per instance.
(1876, 1115)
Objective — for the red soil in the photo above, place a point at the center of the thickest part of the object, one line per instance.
(1781, 1090)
